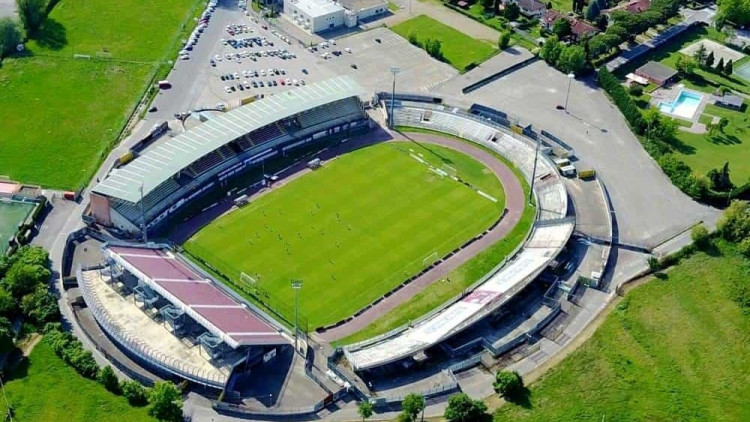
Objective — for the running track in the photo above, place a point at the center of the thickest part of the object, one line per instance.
(514, 202)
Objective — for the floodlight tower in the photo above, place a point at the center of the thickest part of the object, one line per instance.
(296, 285)
(394, 70)
(143, 216)
(571, 76)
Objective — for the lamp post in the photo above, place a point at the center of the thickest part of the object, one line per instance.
(394, 70)
(143, 216)
(570, 80)
(533, 173)
(296, 285)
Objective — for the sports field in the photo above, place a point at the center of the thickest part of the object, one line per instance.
(61, 115)
(12, 213)
(354, 229)
(459, 50)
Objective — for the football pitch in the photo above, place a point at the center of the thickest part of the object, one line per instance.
(354, 229)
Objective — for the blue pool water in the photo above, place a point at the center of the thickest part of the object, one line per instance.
(684, 105)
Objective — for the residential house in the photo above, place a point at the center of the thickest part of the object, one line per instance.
(530, 8)
(579, 28)
(633, 7)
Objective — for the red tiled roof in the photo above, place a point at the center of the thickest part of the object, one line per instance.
(633, 6)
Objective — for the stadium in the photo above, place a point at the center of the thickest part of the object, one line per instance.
(296, 219)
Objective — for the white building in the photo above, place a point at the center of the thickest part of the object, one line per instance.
(315, 15)
(321, 15)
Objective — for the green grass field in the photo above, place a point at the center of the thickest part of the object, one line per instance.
(675, 349)
(11, 215)
(462, 277)
(459, 50)
(60, 115)
(354, 229)
(45, 389)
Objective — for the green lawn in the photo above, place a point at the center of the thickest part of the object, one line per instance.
(712, 151)
(459, 50)
(45, 389)
(352, 230)
(60, 115)
(675, 349)
(460, 278)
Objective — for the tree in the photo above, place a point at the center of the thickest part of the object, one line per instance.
(23, 278)
(40, 306)
(700, 55)
(593, 11)
(461, 408)
(10, 36)
(512, 11)
(6, 335)
(701, 237)
(109, 380)
(434, 48)
(601, 22)
(364, 408)
(165, 402)
(572, 59)
(737, 11)
(685, 65)
(734, 224)
(728, 67)
(709, 60)
(636, 90)
(720, 66)
(134, 392)
(561, 28)
(504, 40)
(412, 405)
(507, 383)
(723, 122)
(32, 13)
(8, 305)
(551, 49)
(488, 4)
(413, 40)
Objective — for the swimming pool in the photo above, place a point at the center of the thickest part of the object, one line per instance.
(684, 106)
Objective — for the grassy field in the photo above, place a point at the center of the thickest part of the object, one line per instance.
(712, 151)
(459, 50)
(56, 126)
(44, 388)
(354, 229)
(11, 215)
(674, 349)
(460, 278)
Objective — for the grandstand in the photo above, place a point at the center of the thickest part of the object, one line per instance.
(139, 285)
(169, 175)
(548, 236)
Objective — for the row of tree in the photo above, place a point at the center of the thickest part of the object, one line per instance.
(433, 47)
(705, 60)
(461, 408)
(24, 277)
(164, 399)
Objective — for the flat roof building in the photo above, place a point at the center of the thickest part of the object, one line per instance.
(656, 72)
(322, 15)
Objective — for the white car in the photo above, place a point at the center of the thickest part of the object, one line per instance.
(226, 88)
(263, 72)
(246, 84)
(217, 58)
(236, 75)
(223, 41)
(348, 50)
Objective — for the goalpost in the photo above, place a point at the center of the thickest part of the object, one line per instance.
(429, 259)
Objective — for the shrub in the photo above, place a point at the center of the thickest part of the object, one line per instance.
(653, 264)
(40, 306)
(136, 394)
(109, 380)
(622, 100)
(165, 402)
(734, 224)
(700, 236)
(10, 36)
(6, 335)
(636, 90)
(507, 383)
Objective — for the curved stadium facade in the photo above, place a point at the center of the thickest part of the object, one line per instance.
(168, 176)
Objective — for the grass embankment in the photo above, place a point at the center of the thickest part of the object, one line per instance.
(462, 277)
(675, 348)
(44, 388)
(458, 49)
(61, 115)
(352, 230)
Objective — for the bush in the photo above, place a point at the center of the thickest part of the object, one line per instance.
(71, 351)
(40, 307)
(165, 402)
(622, 100)
(10, 36)
(461, 408)
(700, 236)
(636, 90)
(653, 264)
(507, 383)
(734, 224)
(6, 335)
(136, 394)
(109, 380)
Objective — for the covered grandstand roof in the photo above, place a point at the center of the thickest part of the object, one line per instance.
(198, 297)
(164, 160)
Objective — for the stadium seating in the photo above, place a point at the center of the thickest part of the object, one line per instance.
(266, 133)
(328, 112)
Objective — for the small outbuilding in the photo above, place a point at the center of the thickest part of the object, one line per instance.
(657, 73)
(730, 101)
